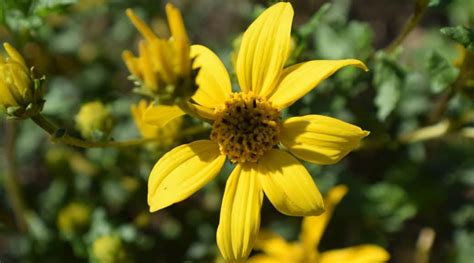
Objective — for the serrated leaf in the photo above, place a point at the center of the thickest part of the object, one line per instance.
(460, 34)
(441, 72)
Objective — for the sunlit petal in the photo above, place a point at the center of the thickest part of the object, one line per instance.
(240, 214)
(288, 185)
(299, 79)
(320, 139)
(162, 114)
(213, 80)
(183, 171)
(357, 254)
(264, 49)
(313, 226)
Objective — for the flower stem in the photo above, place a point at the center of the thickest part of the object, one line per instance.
(420, 9)
(60, 135)
(12, 186)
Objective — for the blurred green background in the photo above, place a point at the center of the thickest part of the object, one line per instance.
(415, 170)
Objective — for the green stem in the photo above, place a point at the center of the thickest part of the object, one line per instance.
(60, 135)
(12, 186)
(420, 9)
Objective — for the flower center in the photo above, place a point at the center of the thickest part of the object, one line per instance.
(246, 127)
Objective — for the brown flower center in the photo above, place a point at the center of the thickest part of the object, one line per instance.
(246, 127)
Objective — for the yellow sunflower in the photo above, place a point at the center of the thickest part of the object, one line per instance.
(247, 130)
(277, 250)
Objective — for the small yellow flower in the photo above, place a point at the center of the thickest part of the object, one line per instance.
(94, 117)
(163, 67)
(277, 250)
(166, 135)
(109, 249)
(248, 130)
(19, 93)
(73, 218)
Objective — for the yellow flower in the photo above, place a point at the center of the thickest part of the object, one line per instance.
(163, 67)
(277, 250)
(72, 218)
(109, 249)
(166, 135)
(247, 130)
(19, 94)
(94, 117)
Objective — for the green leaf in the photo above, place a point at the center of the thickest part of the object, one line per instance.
(388, 82)
(460, 34)
(441, 72)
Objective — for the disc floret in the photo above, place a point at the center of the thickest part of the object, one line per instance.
(246, 127)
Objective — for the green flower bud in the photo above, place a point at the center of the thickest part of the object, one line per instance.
(20, 94)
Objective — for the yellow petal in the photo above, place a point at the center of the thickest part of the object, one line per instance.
(240, 214)
(182, 171)
(288, 185)
(320, 139)
(313, 227)
(265, 49)
(141, 26)
(180, 38)
(204, 112)
(213, 80)
(14, 54)
(131, 62)
(357, 254)
(162, 114)
(299, 79)
(149, 77)
(273, 244)
(266, 259)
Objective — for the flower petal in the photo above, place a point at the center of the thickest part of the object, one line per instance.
(264, 49)
(357, 254)
(14, 54)
(213, 80)
(299, 79)
(320, 139)
(313, 226)
(162, 114)
(180, 38)
(288, 185)
(240, 214)
(266, 259)
(273, 244)
(182, 171)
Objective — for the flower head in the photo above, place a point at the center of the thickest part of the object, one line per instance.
(73, 217)
(305, 250)
(248, 130)
(109, 249)
(163, 66)
(94, 120)
(20, 95)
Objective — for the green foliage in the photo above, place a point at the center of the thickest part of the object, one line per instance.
(389, 82)
(462, 35)
(442, 73)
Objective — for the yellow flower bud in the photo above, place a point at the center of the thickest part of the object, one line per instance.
(20, 95)
(162, 68)
(73, 218)
(109, 249)
(94, 120)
